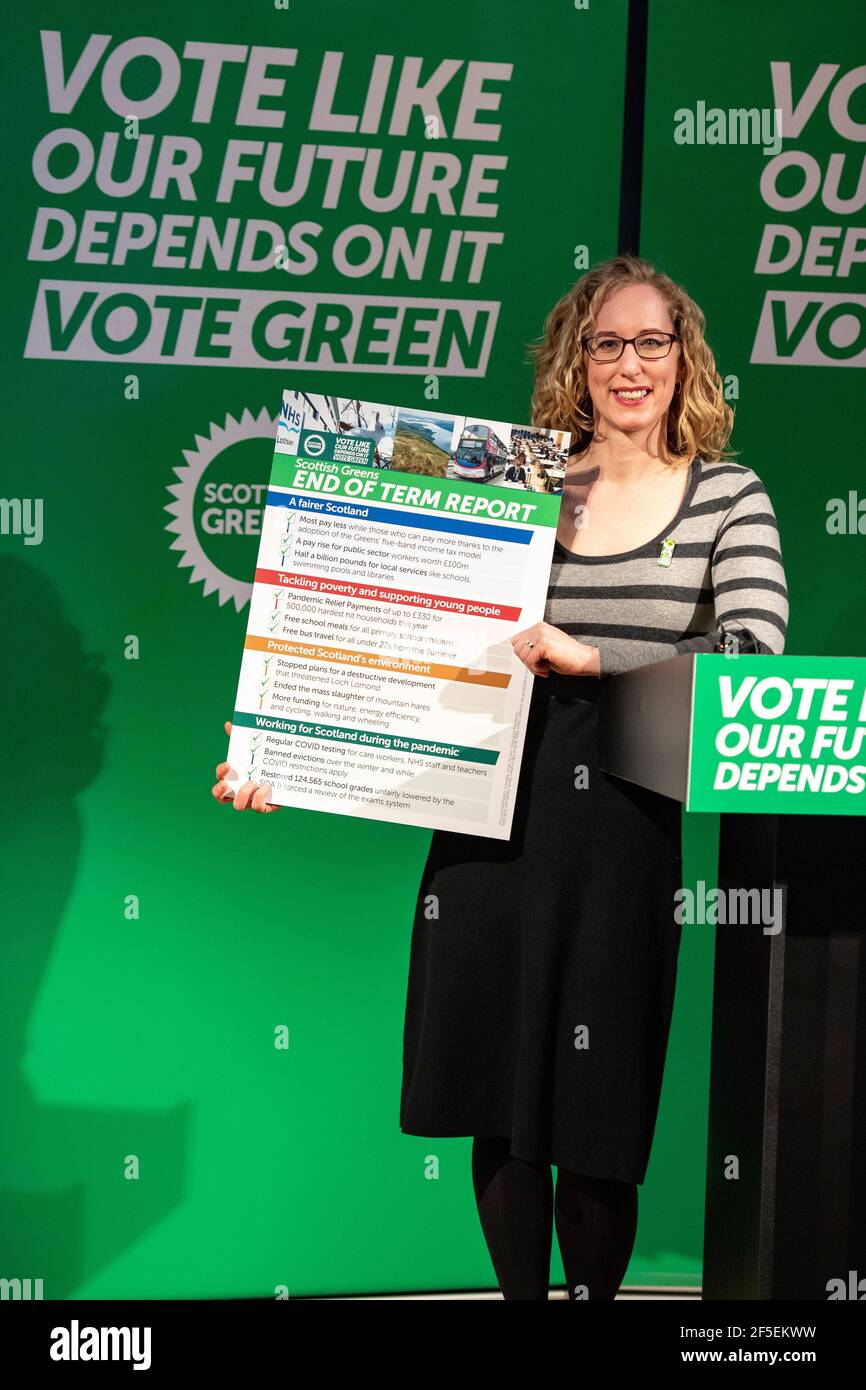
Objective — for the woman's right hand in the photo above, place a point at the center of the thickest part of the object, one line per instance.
(249, 795)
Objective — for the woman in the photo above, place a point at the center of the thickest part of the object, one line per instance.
(542, 968)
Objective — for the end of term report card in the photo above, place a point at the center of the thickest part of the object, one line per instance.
(401, 549)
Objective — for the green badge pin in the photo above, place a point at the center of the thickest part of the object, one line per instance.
(667, 551)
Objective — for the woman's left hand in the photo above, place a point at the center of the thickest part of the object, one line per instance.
(552, 649)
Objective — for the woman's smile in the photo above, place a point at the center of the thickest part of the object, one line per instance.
(631, 395)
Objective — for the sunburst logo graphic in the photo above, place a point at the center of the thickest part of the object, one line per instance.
(219, 502)
(314, 445)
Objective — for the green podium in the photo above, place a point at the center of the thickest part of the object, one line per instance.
(777, 746)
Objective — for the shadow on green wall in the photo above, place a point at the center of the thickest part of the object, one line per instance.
(60, 1166)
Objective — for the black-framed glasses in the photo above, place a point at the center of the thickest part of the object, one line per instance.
(607, 347)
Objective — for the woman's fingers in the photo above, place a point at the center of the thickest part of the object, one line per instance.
(249, 796)
(553, 650)
(520, 641)
(533, 655)
(261, 799)
(253, 796)
(537, 661)
(244, 795)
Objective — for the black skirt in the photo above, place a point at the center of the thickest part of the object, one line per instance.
(543, 968)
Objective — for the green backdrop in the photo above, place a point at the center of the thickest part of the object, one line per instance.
(156, 1143)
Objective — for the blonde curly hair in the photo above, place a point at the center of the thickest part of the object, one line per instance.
(699, 420)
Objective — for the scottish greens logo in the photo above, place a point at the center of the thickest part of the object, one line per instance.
(219, 501)
(314, 445)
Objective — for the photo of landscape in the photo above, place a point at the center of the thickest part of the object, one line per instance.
(423, 442)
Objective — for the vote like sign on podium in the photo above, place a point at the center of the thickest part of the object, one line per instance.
(736, 732)
(786, 731)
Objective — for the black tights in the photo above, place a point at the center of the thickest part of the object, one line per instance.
(596, 1220)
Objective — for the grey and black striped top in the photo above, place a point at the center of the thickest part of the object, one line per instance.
(725, 579)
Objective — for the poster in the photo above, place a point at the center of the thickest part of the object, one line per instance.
(401, 549)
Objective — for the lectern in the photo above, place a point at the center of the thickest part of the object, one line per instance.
(777, 746)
